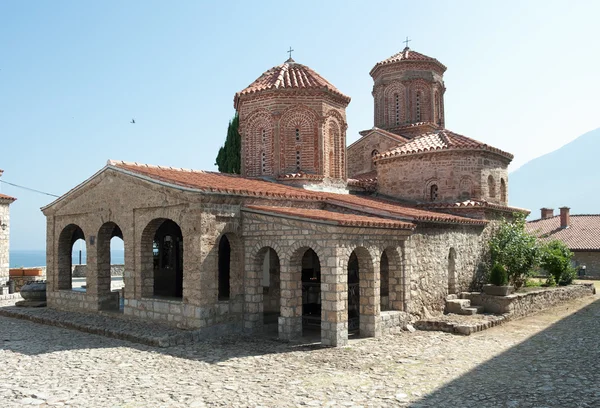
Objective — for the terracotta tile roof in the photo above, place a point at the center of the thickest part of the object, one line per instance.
(368, 176)
(366, 181)
(333, 217)
(214, 182)
(290, 75)
(220, 183)
(407, 55)
(470, 204)
(4, 197)
(301, 175)
(440, 140)
(583, 233)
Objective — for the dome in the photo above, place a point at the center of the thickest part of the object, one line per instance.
(408, 55)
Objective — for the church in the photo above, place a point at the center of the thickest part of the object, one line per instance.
(313, 235)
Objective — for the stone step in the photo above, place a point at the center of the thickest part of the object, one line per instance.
(471, 310)
(451, 297)
(456, 305)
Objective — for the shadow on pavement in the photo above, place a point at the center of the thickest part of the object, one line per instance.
(558, 367)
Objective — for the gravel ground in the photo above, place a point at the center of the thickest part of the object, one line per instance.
(546, 360)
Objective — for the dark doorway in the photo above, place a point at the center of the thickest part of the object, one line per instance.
(353, 294)
(224, 268)
(167, 251)
(311, 291)
(384, 289)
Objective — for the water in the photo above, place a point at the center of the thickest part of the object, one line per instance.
(28, 258)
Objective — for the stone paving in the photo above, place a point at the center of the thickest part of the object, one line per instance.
(546, 360)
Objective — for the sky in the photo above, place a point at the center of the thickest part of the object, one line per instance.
(522, 76)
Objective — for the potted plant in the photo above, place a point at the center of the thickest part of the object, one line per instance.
(498, 282)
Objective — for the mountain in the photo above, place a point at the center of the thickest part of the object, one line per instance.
(569, 176)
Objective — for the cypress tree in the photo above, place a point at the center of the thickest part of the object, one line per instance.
(229, 157)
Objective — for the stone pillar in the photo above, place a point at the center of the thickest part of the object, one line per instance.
(4, 240)
(334, 300)
(92, 275)
(370, 302)
(253, 295)
(397, 282)
(290, 317)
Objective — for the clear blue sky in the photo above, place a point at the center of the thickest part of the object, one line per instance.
(521, 76)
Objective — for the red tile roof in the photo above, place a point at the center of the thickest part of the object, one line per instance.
(4, 197)
(290, 75)
(383, 132)
(220, 183)
(470, 204)
(583, 233)
(440, 140)
(333, 217)
(407, 55)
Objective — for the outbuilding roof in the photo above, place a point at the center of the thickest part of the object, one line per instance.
(582, 234)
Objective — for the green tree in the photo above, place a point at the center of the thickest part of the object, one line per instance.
(229, 157)
(515, 249)
(556, 260)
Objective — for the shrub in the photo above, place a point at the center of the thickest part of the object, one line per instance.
(498, 275)
(556, 260)
(515, 249)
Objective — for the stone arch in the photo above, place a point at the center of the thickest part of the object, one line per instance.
(229, 276)
(363, 292)
(258, 144)
(300, 140)
(267, 261)
(395, 104)
(491, 186)
(106, 233)
(421, 101)
(162, 259)
(452, 271)
(334, 147)
(398, 283)
(465, 188)
(503, 197)
(66, 239)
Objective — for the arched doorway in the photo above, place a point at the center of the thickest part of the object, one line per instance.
(452, 271)
(167, 255)
(384, 279)
(110, 238)
(224, 278)
(271, 287)
(67, 251)
(311, 291)
(353, 294)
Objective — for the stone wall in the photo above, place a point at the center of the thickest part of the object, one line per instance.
(591, 260)
(359, 153)
(458, 175)
(432, 275)
(79, 271)
(4, 241)
(523, 304)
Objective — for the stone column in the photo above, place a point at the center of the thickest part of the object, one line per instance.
(370, 302)
(397, 281)
(290, 317)
(253, 295)
(334, 300)
(92, 275)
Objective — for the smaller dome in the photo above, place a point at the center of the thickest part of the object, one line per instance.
(408, 55)
(290, 75)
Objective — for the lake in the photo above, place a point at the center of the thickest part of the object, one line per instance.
(28, 258)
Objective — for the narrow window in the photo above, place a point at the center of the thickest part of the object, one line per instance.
(264, 136)
(491, 186)
(298, 160)
(297, 135)
(433, 192)
(264, 162)
(397, 98)
(418, 117)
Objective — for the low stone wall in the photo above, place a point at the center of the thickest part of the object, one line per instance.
(393, 320)
(79, 271)
(71, 300)
(523, 304)
(22, 280)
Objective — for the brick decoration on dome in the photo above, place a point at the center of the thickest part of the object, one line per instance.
(407, 55)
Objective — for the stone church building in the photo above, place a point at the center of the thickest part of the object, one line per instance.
(313, 235)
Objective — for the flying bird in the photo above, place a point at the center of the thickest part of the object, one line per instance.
(132, 121)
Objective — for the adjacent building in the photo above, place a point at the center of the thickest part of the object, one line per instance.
(5, 202)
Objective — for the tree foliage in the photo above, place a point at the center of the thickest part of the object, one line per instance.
(556, 260)
(515, 249)
(229, 157)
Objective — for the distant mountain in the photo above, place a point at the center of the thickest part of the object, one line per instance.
(569, 176)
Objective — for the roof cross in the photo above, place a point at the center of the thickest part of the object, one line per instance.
(290, 52)
(406, 41)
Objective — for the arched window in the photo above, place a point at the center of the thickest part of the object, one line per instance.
(297, 135)
(433, 192)
(491, 186)
(264, 136)
(297, 160)
(224, 268)
(264, 162)
(438, 115)
(503, 191)
(397, 101)
(418, 107)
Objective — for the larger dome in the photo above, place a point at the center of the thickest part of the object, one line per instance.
(290, 75)
(408, 55)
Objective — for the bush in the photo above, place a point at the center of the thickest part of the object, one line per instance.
(498, 275)
(556, 260)
(515, 249)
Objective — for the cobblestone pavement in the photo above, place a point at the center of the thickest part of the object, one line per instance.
(547, 360)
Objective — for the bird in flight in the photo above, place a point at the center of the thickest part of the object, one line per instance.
(132, 121)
